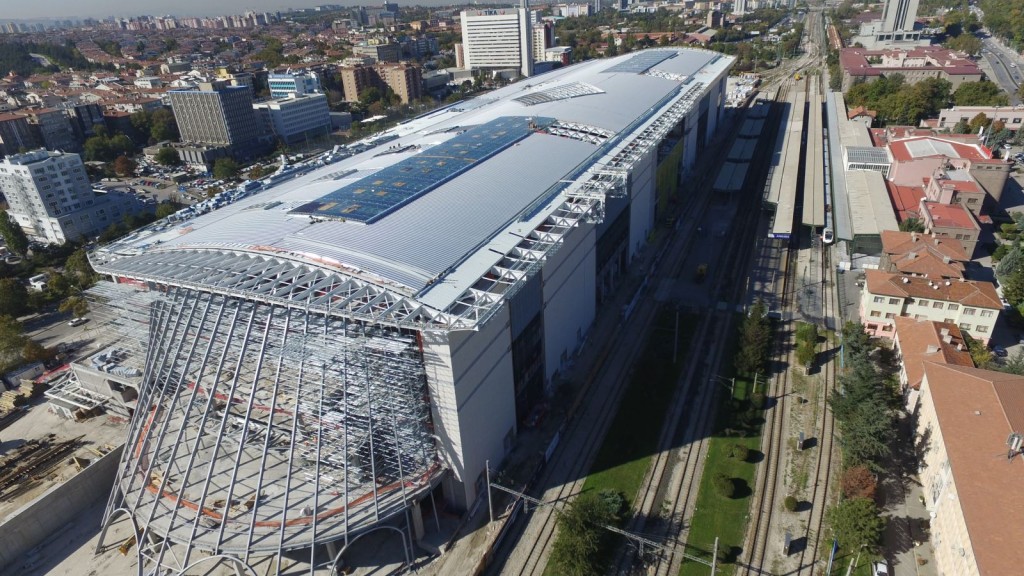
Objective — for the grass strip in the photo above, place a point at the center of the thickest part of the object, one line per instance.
(632, 438)
(716, 515)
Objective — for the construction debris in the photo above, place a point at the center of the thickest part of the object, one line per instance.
(31, 462)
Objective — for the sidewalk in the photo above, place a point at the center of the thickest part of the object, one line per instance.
(905, 541)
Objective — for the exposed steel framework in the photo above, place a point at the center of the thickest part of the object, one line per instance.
(262, 428)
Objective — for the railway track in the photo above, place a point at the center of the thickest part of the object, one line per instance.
(597, 416)
(769, 474)
(669, 492)
(593, 424)
(825, 428)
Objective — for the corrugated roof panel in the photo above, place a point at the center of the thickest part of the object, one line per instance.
(452, 219)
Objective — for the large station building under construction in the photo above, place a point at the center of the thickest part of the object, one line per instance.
(362, 330)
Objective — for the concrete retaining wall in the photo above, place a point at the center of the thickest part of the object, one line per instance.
(33, 523)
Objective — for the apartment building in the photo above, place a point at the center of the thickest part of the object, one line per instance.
(920, 341)
(971, 472)
(953, 221)
(972, 306)
(51, 199)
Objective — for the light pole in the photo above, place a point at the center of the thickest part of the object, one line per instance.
(722, 380)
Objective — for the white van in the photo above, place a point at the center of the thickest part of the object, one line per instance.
(38, 282)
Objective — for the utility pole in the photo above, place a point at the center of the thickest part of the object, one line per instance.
(490, 504)
(714, 557)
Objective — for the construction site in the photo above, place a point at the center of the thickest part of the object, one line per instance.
(347, 348)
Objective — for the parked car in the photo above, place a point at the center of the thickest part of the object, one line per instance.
(77, 321)
(1000, 351)
(880, 569)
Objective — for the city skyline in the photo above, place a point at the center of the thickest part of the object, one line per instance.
(71, 9)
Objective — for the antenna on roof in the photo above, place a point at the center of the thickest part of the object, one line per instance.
(1014, 442)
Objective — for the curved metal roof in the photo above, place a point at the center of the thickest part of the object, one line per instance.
(455, 248)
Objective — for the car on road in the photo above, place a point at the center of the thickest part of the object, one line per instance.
(77, 321)
(879, 569)
(999, 351)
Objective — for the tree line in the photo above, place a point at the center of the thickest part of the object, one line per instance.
(898, 102)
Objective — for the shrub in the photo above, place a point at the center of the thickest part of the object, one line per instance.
(739, 452)
(790, 504)
(724, 485)
(757, 401)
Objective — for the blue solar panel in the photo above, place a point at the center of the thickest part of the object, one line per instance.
(642, 62)
(376, 196)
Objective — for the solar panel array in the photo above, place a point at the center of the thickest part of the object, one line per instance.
(375, 196)
(867, 155)
(642, 62)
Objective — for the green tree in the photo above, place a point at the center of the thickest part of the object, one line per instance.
(981, 93)
(967, 43)
(167, 157)
(79, 270)
(13, 297)
(163, 126)
(369, 96)
(979, 121)
(165, 209)
(866, 433)
(33, 351)
(142, 122)
(76, 305)
(256, 172)
(912, 225)
(580, 549)
(724, 486)
(755, 335)
(856, 523)
(97, 149)
(962, 127)
(12, 341)
(225, 169)
(806, 352)
(982, 356)
(12, 234)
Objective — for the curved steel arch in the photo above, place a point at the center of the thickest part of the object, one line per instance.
(135, 526)
(408, 557)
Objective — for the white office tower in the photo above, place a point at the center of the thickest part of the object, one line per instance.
(895, 29)
(498, 38)
(899, 15)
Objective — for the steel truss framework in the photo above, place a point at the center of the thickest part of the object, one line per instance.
(262, 428)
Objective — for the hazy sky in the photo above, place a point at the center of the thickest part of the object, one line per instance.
(62, 9)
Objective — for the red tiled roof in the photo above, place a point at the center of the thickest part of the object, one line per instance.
(965, 292)
(976, 411)
(924, 255)
(926, 340)
(906, 200)
(950, 215)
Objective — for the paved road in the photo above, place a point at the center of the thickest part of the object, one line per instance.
(1005, 65)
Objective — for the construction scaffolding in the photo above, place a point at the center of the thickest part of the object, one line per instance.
(263, 428)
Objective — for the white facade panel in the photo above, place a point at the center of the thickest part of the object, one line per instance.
(642, 203)
(569, 297)
(482, 364)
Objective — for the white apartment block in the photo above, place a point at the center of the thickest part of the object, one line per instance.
(497, 38)
(51, 199)
(972, 306)
(294, 118)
